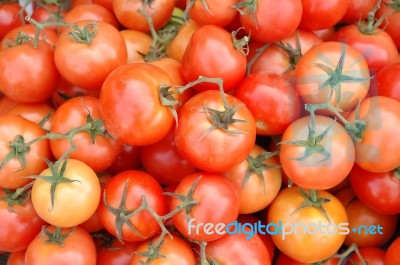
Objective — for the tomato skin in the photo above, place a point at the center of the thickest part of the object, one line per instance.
(377, 48)
(130, 99)
(175, 250)
(101, 153)
(379, 191)
(211, 53)
(18, 228)
(392, 256)
(93, 12)
(269, 14)
(35, 112)
(9, 18)
(18, 77)
(137, 43)
(16, 258)
(309, 77)
(370, 255)
(177, 46)
(74, 202)
(389, 81)
(11, 175)
(391, 23)
(212, 189)
(217, 151)
(78, 248)
(129, 158)
(6, 104)
(358, 10)
(117, 253)
(139, 184)
(320, 14)
(377, 152)
(271, 99)
(105, 53)
(219, 13)
(311, 173)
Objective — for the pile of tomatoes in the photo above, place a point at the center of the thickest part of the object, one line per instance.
(135, 132)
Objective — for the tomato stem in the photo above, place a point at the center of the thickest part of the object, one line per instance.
(242, 44)
(20, 191)
(343, 256)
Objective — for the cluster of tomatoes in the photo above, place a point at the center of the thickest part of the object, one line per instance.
(133, 132)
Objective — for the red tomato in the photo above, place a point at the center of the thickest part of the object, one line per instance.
(105, 3)
(130, 98)
(39, 113)
(392, 256)
(16, 258)
(358, 10)
(388, 81)
(391, 23)
(204, 191)
(377, 151)
(219, 13)
(24, 83)
(123, 194)
(370, 255)
(321, 14)
(116, 254)
(6, 104)
(137, 43)
(177, 46)
(208, 134)
(271, 99)
(75, 60)
(10, 17)
(69, 246)
(128, 159)
(92, 12)
(271, 21)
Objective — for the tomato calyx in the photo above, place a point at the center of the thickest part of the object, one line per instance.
(17, 197)
(18, 150)
(395, 5)
(257, 166)
(312, 200)
(56, 237)
(294, 53)
(370, 26)
(20, 39)
(242, 44)
(247, 7)
(153, 252)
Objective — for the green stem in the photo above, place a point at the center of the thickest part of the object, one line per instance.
(18, 192)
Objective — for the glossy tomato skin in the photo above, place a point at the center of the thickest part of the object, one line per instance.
(285, 209)
(392, 256)
(9, 17)
(20, 224)
(379, 191)
(317, 171)
(117, 253)
(320, 14)
(219, 13)
(12, 175)
(128, 158)
(139, 184)
(211, 53)
(377, 152)
(98, 153)
(309, 76)
(75, 61)
(93, 12)
(130, 99)
(271, 99)
(388, 81)
(268, 15)
(22, 82)
(78, 248)
(215, 150)
(74, 202)
(211, 190)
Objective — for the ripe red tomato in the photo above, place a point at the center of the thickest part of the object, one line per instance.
(128, 159)
(392, 256)
(358, 10)
(10, 17)
(271, 21)
(208, 134)
(219, 13)
(391, 23)
(388, 81)
(137, 43)
(39, 113)
(69, 246)
(208, 190)
(116, 253)
(16, 258)
(370, 255)
(92, 12)
(75, 60)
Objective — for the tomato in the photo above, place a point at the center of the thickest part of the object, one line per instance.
(391, 23)
(320, 14)
(6, 104)
(69, 245)
(178, 45)
(10, 17)
(92, 12)
(174, 251)
(163, 161)
(73, 200)
(260, 19)
(219, 13)
(285, 260)
(28, 74)
(388, 81)
(237, 249)
(358, 10)
(137, 43)
(15, 132)
(370, 255)
(314, 83)
(20, 223)
(271, 99)
(39, 113)
(204, 191)
(377, 150)
(93, 147)
(117, 253)
(128, 158)
(123, 194)
(325, 34)
(379, 191)
(257, 180)
(105, 3)
(392, 256)
(16, 258)
(376, 46)
(127, 13)
(208, 134)
(75, 60)
(48, 13)
(290, 221)
(174, 70)
(317, 169)
(130, 98)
